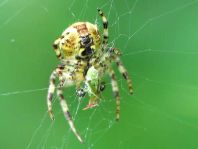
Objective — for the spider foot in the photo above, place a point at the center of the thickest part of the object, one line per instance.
(131, 91)
(90, 106)
(51, 115)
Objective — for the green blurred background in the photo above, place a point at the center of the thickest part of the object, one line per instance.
(159, 42)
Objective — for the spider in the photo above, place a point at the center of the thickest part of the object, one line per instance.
(84, 58)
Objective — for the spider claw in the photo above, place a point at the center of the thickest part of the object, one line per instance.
(80, 139)
(117, 119)
(131, 92)
(51, 115)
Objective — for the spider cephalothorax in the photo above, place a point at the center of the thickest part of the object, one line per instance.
(84, 61)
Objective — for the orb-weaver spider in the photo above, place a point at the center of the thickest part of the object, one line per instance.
(84, 59)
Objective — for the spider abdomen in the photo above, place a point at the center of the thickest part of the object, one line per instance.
(77, 37)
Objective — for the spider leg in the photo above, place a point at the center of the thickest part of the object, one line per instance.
(56, 48)
(58, 73)
(124, 73)
(105, 26)
(67, 114)
(116, 92)
(51, 90)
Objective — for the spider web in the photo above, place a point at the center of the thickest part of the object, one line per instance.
(159, 50)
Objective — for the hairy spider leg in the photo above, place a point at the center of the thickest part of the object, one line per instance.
(116, 92)
(57, 73)
(124, 73)
(66, 112)
(56, 48)
(51, 90)
(105, 29)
